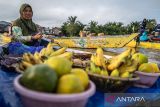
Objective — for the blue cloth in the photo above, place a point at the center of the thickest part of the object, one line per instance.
(9, 98)
(17, 48)
(144, 36)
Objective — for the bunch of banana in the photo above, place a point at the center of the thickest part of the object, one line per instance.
(67, 55)
(58, 52)
(130, 66)
(48, 50)
(122, 65)
(28, 60)
(116, 61)
(98, 59)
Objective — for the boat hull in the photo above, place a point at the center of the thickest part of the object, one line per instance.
(94, 42)
(150, 45)
(105, 42)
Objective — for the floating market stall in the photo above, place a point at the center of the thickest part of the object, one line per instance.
(106, 42)
(9, 98)
(105, 71)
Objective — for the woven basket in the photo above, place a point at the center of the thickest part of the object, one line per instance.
(112, 84)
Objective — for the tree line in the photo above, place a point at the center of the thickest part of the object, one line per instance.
(72, 27)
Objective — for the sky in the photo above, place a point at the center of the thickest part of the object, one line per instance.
(53, 13)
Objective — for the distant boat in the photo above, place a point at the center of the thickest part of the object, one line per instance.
(105, 42)
(94, 42)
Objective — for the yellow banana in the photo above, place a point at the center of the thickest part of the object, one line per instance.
(42, 52)
(58, 52)
(37, 58)
(26, 57)
(33, 59)
(67, 55)
(26, 64)
(93, 58)
(36, 55)
(49, 45)
(21, 67)
(128, 68)
(49, 50)
(133, 51)
(118, 60)
(100, 58)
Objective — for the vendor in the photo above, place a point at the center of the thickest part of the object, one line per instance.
(24, 29)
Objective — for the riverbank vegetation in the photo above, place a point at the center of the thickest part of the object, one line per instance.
(73, 26)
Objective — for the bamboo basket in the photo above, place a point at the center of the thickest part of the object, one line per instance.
(112, 84)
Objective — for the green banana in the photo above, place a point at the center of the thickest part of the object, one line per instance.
(92, 67)
(93, 58)
(104, 72)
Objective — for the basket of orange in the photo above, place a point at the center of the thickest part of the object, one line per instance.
(52, 85)
(148, 73)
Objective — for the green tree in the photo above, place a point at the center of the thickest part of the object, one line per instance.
(93, 27)
(133, 27)
(114, 28)
(151, 23)
(72, 26)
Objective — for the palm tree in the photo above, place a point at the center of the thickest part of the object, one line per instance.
(72, 26)
(93, 27)
(151, 23)
(133, 27)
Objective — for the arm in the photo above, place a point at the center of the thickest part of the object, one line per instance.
(18, 36)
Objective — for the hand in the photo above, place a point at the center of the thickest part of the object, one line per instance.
(47, 36)
(37, 36)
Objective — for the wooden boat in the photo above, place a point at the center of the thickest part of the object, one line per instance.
(150, 45)
(94, 42)
(156, 39)
(105, 42)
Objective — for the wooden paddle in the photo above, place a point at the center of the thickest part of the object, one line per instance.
(132, 39)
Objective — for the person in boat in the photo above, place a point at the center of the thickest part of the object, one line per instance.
(143, 24)
(144, 37)
(142, 32)
(24, 29)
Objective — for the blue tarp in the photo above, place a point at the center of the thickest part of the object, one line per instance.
(144, 36)
(18, 48)
(9, 98)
